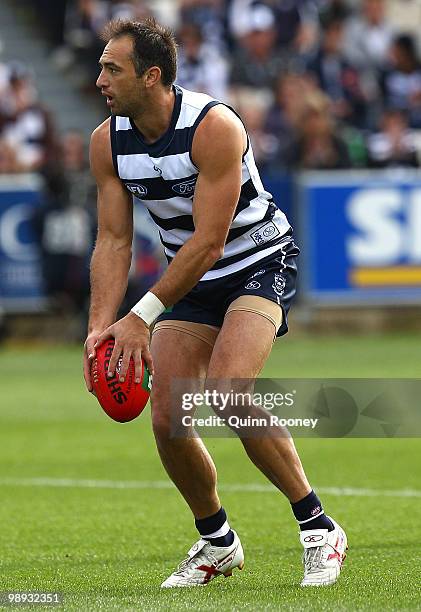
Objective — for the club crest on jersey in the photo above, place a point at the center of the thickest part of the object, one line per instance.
(186, 188)
(265, 233)
(137, 190)
(253, 285)
(278, 284)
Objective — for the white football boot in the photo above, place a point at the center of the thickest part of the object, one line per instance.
(324, 554)
(205, 562)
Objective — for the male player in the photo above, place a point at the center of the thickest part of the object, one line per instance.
(224, 295)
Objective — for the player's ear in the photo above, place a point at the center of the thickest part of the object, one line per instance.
(152, 76)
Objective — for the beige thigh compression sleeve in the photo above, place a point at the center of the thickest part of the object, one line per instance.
(259, 305)
(207, 333)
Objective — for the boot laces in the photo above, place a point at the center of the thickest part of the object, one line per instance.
(313, 559)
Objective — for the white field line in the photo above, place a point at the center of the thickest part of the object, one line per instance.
(166, 484)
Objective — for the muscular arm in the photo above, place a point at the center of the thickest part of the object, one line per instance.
(217, 151)
(112, 254)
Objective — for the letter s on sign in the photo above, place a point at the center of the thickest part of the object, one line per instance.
(381, 237)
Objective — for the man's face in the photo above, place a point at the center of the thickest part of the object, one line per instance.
(374, 11)
(333, 38)
(118, 80)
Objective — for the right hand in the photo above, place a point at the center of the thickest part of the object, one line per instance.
(131, 340)
(88, 356)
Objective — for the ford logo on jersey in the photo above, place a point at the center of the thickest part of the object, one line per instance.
(138, 190)
(186, 188)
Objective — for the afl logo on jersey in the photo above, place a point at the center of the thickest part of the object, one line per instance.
(186, 188)
(138, 190)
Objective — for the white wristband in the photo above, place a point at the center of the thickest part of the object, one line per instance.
(148, 308)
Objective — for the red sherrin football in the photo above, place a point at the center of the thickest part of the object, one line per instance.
(121, 401)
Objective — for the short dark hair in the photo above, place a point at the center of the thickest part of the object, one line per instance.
(153, 45)
(331, 21)
(407, 44)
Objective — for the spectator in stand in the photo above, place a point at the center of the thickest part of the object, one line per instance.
(252, 106)
(239, 16)
(81, 186)
(209, 15)
(317, 146)
(337, 78)
(368, 36)
(395, 144)
(296, 22)
(73, 152)
(284, 115)
(27, 126)
(83, 23)
(65, 234)
(200, 66)
(256, 61)
(401, 82)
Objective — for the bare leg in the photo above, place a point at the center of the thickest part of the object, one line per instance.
(276, 457)
(186, 460)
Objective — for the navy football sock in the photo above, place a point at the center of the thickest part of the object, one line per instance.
(215, 529)
(310, 515)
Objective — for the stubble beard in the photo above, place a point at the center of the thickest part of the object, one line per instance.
(128, 110)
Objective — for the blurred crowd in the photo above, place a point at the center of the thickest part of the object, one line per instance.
(320, 84)
(64, 224)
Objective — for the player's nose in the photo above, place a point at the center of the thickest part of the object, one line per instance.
(100, 82)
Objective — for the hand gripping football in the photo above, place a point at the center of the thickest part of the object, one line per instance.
(121, 401)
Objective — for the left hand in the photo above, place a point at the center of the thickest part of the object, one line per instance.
(132, 337)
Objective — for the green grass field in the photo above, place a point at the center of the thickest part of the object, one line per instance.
(86, 508)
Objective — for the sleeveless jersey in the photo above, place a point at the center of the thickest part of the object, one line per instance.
(163, 176)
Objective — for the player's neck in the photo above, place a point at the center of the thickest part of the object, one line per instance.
(156, 118)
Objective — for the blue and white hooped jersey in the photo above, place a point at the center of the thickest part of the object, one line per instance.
(163, 176)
